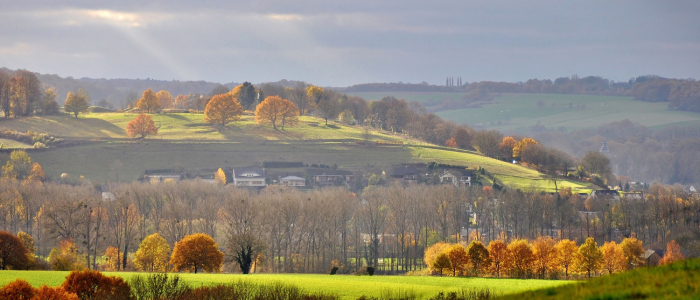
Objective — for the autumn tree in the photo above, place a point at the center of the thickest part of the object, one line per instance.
(633, 250)
(452, 143)
(498, 254)
(289, 114)
(165, 99)
(441, 262)
(487, 141)
(673, 253)
(36, 173)
(149, 101)
(142, 125)
(18, 289)
(153, 254)
(432, 252)
(223, 109)
(596, 163)
(520, 258)
(197, 252)
(49, 106)
(220, 177)
(28, 242)
(76, 102)
(566, 255)
(462, 137)
(275, 109)
(297, 95)
(65, 257)
(506, 148)
(13, 253)
(478, 257)
(545, 255)
(314, 94)
(19, 165)
(589, 257)
(5, 93)
(524, 143)
(26, 93)
(459, 260)
(613, 258)
(112, 260)
(89, 285)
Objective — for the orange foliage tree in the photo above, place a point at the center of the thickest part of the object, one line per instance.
(165, 99)
(506, 147)
(37, 172)
(149, 101)
(13, 253)
(452, 143)
(112, 256)
(545, 255)
(53, 293)
(197, 252)
(524, 143)
(613, 258)
(223, 109)
(142, 125)
(18, 289)
(459, 261)
(566, 255)
(432, 253)
(498, 253)
(673, 253)
(275, 109)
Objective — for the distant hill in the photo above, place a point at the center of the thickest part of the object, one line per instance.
(401, 87)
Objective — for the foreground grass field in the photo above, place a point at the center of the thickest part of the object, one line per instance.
(680, 280)
(347, 286)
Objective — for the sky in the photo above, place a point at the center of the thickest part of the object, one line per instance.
(341, 43)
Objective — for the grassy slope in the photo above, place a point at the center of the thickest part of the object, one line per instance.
(680, 280)
(517, 112)
(11, 144)
(412, 96)
(192, 144)
(347, 286)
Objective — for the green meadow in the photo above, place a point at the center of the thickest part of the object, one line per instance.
(346, 286)
(520, 112)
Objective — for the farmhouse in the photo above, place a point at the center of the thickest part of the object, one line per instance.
(249, 177)
(606, 194)
(456, 177)
(328, 177)
(162, 175)
(293, 181)
(405, 174)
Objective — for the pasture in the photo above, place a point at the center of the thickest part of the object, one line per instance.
(346, 286)
(520, 112)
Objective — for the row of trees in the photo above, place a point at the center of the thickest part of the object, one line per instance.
(306, 231)
(22, 94)
(543, 258)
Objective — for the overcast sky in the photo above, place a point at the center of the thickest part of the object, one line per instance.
(340, 43)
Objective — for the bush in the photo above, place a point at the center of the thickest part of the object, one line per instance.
(18, 289)
(370, 271)
(158, 286)
(88, 285)
(39, 145)
(334, 270)
(57, 293)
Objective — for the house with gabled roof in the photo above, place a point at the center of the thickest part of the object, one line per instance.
(457, 177)
(292, 180)
(249, 177)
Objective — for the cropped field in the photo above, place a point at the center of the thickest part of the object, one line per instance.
(347, 286)
(680, 280)
(519, 112)
(10, 144)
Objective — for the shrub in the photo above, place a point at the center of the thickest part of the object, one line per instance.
(334, 270)
(39, 145)
(18, 289)
(158, 286)
(57, 293)
(88, 285)
(370, 271)
(252, 291)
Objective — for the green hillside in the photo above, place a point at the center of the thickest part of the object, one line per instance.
(185, 141)
(680, 280)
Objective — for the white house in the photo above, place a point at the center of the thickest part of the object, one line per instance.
(293, 181)
(249, 177)
(457, 177)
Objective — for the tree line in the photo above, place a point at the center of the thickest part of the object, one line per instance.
(281, 229)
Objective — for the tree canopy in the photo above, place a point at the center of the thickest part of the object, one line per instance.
(13, 253)
(76, 102)
(197, 252)
(223, 109)
(275, 109)
(142, 126)
(153, 254)
(149, 101)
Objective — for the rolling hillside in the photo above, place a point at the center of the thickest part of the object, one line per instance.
(185, 141)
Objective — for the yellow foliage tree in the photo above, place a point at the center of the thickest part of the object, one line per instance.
(633, 251)
(432, 253)
(36, 173)
(197, 252)
(673, 253)
(545, 255)
(223, 109)
(498, 253)
(220, 177)
(111, 259)
(517, 150)
(76, 102)
(506, 147)
(149, 101)
(314, 94)
(520, 259)
(142, 125)
(153, 254)
(589, 258)
(613, 258)
(441, 262)
(65, 257)
(566, 255)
